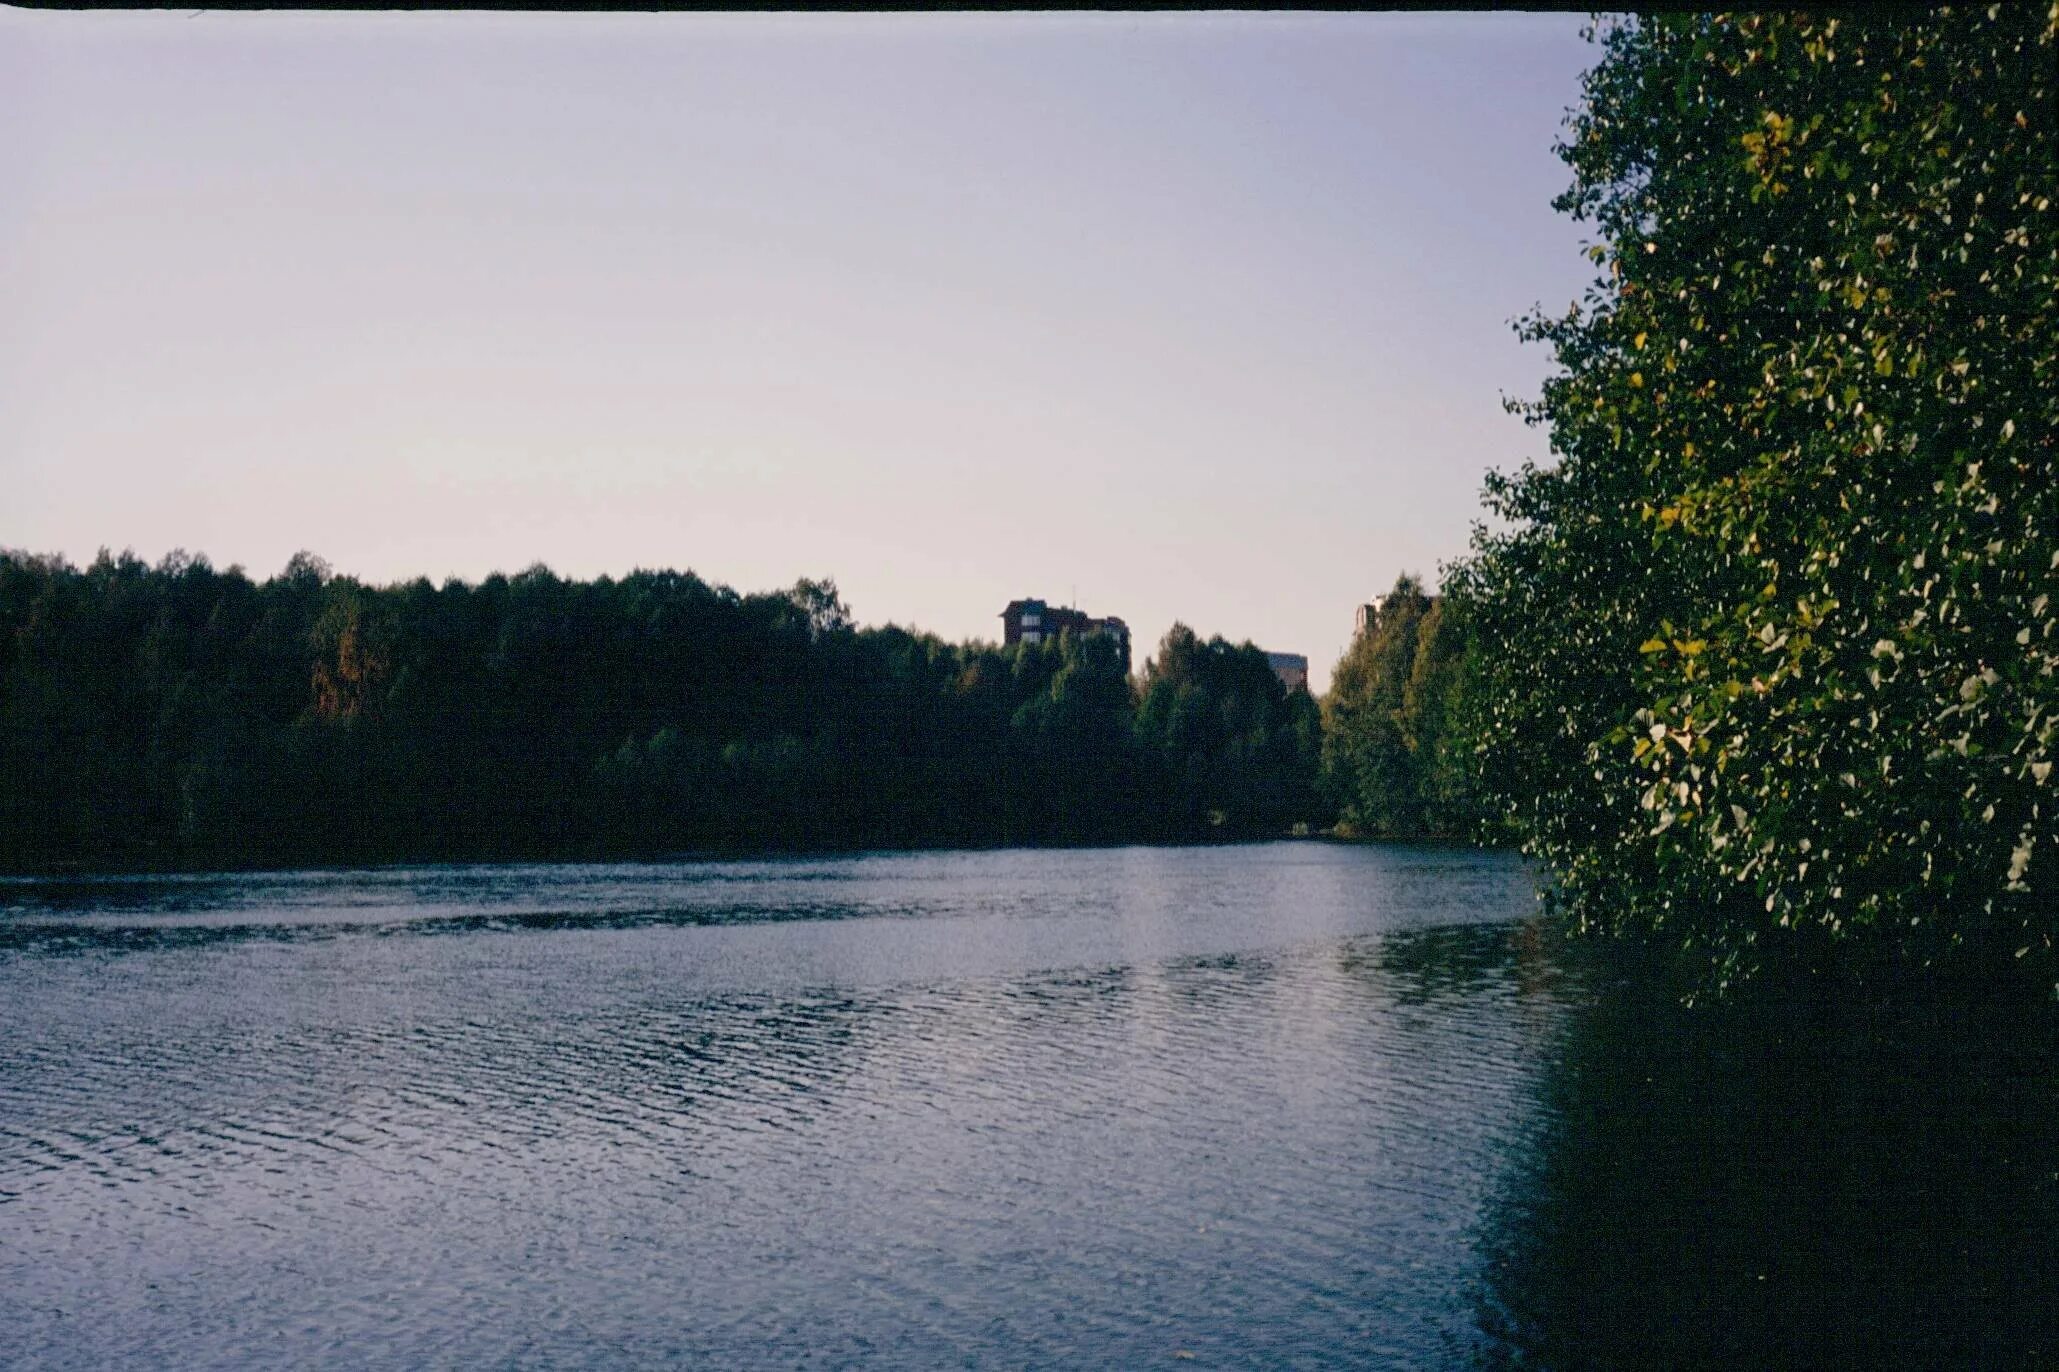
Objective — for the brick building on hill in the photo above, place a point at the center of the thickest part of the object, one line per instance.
(1031, 621)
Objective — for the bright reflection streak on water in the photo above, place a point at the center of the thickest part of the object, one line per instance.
(1279, 1105)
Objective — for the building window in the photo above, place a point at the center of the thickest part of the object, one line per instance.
(1032, 621)
(1031, 635)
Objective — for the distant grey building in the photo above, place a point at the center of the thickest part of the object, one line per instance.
(1368, 616)
(1290, 668)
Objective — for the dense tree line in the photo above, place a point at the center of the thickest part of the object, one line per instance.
(1766, 659)
(1397, 762)
(180, 714)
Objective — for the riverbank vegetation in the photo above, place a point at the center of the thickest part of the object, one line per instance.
(1397, 762)
(180, 714)
(1765, 661)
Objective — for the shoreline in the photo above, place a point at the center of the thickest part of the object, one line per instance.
(202, 865)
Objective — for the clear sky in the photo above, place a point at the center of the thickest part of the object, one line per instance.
(1199, 317)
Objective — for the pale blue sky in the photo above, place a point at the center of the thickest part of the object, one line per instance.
(1204, 315)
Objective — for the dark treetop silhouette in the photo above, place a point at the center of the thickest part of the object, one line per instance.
(177, 714)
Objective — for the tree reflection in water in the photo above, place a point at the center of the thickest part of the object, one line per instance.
(1798, 1179)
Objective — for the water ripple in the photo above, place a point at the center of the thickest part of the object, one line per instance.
(1281, 1105)
(1265, 1106)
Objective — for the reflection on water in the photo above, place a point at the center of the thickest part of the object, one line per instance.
(1795, 1181)
(1279, 1105)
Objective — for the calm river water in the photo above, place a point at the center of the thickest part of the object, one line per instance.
(1292, 1105)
